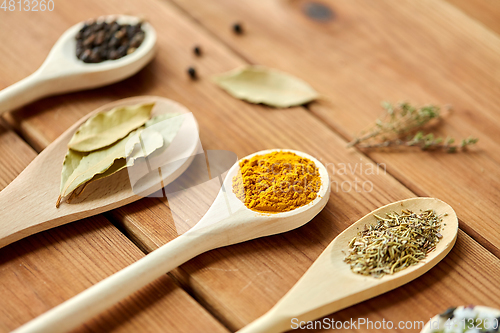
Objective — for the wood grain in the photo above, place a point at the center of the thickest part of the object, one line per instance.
(368, 52)
(42, 191)
(218, 228)
(60, 73)
(484, 11)
(450, 275)
(241, 282)
(330, 285)
(42, 271)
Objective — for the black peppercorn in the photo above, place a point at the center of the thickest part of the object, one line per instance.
(113, 42)
(85, 56)
(237, 28)
(113, 54)
(137, 39)
(79, 51)
(88, 41)
(197, 50)
(192, 73)
(87, 32)
(100, 41)
(122, 50)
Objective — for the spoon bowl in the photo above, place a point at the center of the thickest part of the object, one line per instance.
(63, 72)
(329, 285)
(27, 205)
(253, 224)
(228, 221)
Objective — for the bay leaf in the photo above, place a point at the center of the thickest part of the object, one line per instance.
(159, 118)
(167, 125)
(118, 165)
(106, 128)
(98, 162)
(149, 142)
(141, 146)
(83, 168)
(71, 162)
(258, 84)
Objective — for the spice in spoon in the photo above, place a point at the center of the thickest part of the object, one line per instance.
(396, 242)
(277, 182)
(98, 41)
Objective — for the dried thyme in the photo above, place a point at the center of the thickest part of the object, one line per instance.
(401, 127)
(396, 242)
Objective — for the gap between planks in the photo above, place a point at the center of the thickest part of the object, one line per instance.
(184, 286)
(241, 57)
(57, 240)
(468, 230)
(136, 242)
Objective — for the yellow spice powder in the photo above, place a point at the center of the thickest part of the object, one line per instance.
(277, 182)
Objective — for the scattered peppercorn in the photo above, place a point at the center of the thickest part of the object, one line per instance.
(238, 28)
(101, 41)
(197, 50)
(192, 73)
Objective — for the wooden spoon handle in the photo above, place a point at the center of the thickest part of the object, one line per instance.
(269, 323)
(111, 290)
(23, 92)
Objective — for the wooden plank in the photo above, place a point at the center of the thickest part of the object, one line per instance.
(241, 282)
(485, 11)
(39, 272)
(368, 52)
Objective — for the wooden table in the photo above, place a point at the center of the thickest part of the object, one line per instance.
(356, 53)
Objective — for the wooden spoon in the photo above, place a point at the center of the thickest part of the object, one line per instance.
(329, 285)
(27, 205)
(63, 72)
(228, 221)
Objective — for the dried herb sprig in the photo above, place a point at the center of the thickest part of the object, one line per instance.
(425, 142)
(397, 129)
(396, 242)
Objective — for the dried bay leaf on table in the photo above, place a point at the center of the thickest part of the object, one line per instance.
(106, 128)
(258, 84)
(98, 162)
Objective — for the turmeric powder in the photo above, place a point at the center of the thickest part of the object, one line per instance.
(277, 182)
